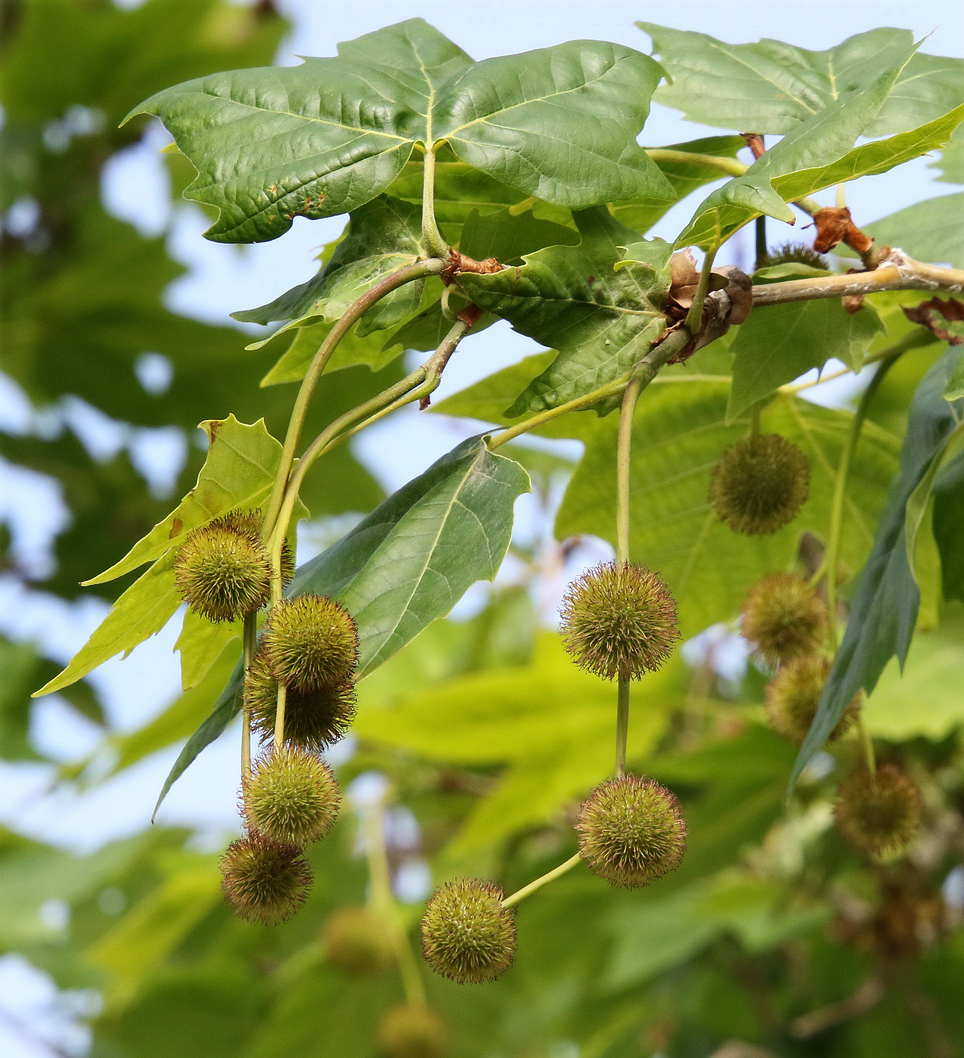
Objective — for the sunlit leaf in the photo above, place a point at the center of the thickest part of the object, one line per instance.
(928, 230)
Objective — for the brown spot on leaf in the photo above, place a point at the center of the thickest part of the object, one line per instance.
(929, 315)
(176, 526)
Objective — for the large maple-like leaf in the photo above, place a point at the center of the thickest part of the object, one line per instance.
(328, 136)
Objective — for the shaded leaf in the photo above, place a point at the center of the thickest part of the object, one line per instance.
(601, 321)
(679, 433)
(948, 517)
(885, 603)
(779, 343)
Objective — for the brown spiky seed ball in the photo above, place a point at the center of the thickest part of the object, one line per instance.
(264, 881)
(358, 940)
(467, 934)
(619, 620)
(759, 484)
(291, 796)
(631, 831)
(310, 643)
(784, 618)
(879, 812)
(313, 721)
(223, 569)
(793, 695)
(412, 1030)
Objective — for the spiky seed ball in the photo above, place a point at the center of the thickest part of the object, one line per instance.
(796, 252)
(313, 721)
(412, 1030)
(618, 620)
(310, 643)
(466, 932)
(290, 797)
(793, 695)
(223, 569)
(879, 812)
(358, 941)
(784, 618)
(264, 881)
(631, 831)
(759, 484)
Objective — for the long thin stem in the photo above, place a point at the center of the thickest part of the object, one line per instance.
(279, 720)
(867, 745)
(408, 274)
(250, 638)
(622, 724)
(384, 900)
(416, 386)
(624, 443)
(645, 371)
(729, 166)
(527, 890)
(828, 566)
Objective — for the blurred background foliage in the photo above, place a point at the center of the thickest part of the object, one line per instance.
(773, 940)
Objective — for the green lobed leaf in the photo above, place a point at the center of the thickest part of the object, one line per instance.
(778, 343)
(679, 433)
(313, 140)
(928, 230)
(238, 472)
(328, 136)
(559, 123)
(383, 236)
(772, 87)
(403, 566)
(886, 598)
(373, 351)
(951, 165)
(601, 321)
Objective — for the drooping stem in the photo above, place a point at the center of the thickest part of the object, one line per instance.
(760, 234)
(828, 567)
(867, 744)
(435, 245)
(729, 166)
(408, 274)
(383, 899)
(527, 890)
(622, 724)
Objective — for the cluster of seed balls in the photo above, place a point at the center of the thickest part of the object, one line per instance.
(758, 487)
(309, 644)
(618, 621)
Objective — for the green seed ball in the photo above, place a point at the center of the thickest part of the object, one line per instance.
(631, 831)
(313, 721)
(412, 1030)
(223, 569)
(759, 484)
(794, 252)
(291, 796)
(358, 940)
(793, 695)
(879, 812)
(784, 618)
(619, 620)
(467, 934)
(310, 643)
(263, 880)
